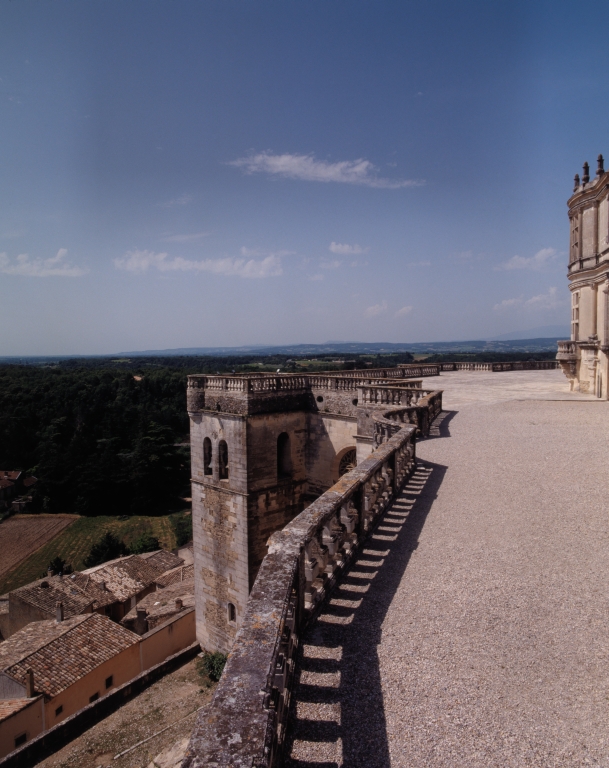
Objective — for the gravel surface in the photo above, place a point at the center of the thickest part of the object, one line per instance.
(473, 630)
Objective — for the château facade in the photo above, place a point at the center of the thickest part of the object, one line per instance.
(585, 357)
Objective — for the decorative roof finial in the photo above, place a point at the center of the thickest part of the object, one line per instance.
(600, 168)
(586, 176)
(576, 182)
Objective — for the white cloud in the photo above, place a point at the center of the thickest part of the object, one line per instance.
(547, 300)
(184, 238)
(307, 168)
(56, 266)
(332, 264)
(536, 262)
(376, 309)
(182, 200)
(317, 277)
(506, 304)
(141, 261)
(403, 312)
(419, 264)
(346, 250)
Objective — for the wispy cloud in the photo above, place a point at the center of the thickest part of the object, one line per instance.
(343, 249)
(317, 277)
(184, 238)
(139, 262)
(419, 264)
(536, 262)
(332, 264)
(403, 312)
(376, 309)
(182, 200)
(308, 168)
(56, 266)
(549, 300)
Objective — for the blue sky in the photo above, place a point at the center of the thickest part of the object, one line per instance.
(181, 173)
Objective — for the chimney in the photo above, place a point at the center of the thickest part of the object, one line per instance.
(141, 625)
(50, 572)
(59, 613)
(600, 165)
(586, 176)
(29, 684)
(576, 182)
(102, 584)
(179, 604)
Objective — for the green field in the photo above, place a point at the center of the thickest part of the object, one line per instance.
(74, 543)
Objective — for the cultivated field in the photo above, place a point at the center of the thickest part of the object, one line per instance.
(73, 544)
(22, 535)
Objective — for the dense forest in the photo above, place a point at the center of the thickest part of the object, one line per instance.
(110, 437)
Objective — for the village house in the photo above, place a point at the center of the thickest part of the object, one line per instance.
(51, 669)
(157, 607)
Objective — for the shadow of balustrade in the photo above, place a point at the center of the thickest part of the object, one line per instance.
(337, 713)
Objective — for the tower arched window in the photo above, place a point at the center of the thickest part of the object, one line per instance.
(207, 470)
(223, 459)
(284, 456)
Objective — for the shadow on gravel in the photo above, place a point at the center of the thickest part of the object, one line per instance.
(440, 426)
(338, 713)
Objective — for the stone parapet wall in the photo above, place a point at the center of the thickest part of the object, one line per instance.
(518, 365)
(245, 722)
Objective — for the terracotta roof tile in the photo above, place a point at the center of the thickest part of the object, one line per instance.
(46, 593)
(58, 664)
(162, 560)
(126, 577)
(175, 575)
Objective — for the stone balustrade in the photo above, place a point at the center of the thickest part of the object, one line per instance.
(518, 365)
(567, 351)
(390, 395)
(244, 725)
(388, 423)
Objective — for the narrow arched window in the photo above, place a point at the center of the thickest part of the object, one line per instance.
(207, 456)
(223, 459)
(284, 456)
(232, 612)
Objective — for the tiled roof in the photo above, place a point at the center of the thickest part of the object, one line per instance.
(161, 605)
(58, 664)
(126, 577)
(175, 575)
(91, 589)
(46, 593)
(34, 635)
(29, 481)
(9, 707)
(162, 560)
(6, 483)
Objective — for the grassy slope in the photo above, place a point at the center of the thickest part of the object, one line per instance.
(74, 544)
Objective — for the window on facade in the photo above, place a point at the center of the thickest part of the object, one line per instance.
(21, 739)
(207, 470)
(575, 317)
(109, 681)
(232, 612)
(93, 698)
(59, 710)
(284, 456)
(223, 459)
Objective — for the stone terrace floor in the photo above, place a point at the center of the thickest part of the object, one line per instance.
(473, 631)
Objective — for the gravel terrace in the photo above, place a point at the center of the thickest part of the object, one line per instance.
(473, 631)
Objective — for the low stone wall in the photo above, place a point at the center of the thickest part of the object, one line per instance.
(244, 725)
(55, 738)
(518, 365)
